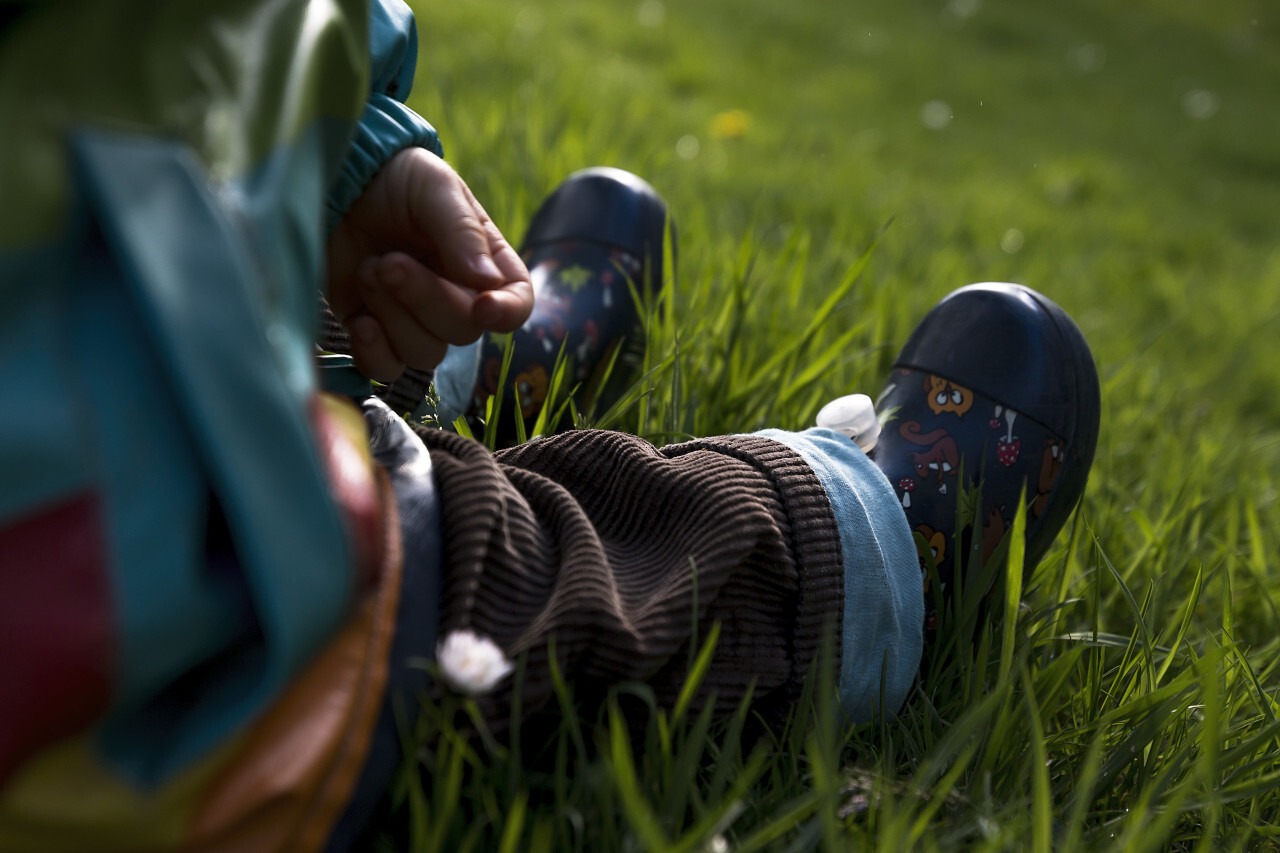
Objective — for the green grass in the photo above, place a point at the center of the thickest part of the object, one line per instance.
(1131, 702)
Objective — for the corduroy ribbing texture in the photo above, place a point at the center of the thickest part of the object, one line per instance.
(619, 549)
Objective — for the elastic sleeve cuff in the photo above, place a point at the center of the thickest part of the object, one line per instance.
(386, 128)
(883, 624)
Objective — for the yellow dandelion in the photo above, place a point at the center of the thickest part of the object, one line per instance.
(730, 124)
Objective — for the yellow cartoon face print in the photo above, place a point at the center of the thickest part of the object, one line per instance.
(946, 396)
(531, 389)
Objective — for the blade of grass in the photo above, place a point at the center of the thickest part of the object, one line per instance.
(640, 817)
(514, 824)
(493, 406)
(1041, 797)
(1013, 586)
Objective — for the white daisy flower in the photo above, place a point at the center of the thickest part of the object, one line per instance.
(471, 664)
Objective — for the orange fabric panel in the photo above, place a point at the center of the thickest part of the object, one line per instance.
(290, 780)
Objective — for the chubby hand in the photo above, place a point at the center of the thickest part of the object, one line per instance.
(417, 264)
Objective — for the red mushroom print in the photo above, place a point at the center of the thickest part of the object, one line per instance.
(1007, 448)
(907, 485)
(994, 423)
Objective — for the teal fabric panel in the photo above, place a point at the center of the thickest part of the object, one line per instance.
(225, 346)
(172, 611)
(883, 627)
(168, 362)
(42, 458)
(276, 215)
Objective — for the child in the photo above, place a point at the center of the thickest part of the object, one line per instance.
(213, 576)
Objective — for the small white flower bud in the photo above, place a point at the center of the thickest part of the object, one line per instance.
(855, 416)
(471, 664)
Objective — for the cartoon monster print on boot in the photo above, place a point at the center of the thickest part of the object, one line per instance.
(1050, 467)
(946, 396)
(1010, 353)
(938, 462)
(594, 242)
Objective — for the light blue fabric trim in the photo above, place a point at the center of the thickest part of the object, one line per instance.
(455, 380)
(884, 599)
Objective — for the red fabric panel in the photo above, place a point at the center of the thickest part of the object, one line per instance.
(56, 620)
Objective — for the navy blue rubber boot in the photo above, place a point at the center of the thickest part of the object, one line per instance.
(595, 238)
(994, 400)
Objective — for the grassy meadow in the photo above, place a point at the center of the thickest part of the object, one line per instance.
(833, 169)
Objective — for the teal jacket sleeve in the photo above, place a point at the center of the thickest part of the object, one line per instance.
(387, 125)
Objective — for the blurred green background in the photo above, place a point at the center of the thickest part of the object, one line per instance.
(1123, 157)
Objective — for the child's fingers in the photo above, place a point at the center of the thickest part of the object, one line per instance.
(454, 277)
(505, 309)
(419, 312)
(411, 293)
(448, 220)
(371, 349)
(511, 268)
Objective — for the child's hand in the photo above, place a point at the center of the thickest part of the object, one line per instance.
(417, 264)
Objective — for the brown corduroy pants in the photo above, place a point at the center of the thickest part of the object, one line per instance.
(618, 549)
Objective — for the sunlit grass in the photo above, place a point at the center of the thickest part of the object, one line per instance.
(1127, 697)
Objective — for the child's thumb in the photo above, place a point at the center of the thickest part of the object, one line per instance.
(448, 221)
(465, 254)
